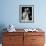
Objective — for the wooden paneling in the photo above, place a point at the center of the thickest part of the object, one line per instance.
(23, 39)
(13, 39)
(27, 41)
(34, 39)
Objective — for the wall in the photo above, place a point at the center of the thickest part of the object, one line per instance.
(9, 13)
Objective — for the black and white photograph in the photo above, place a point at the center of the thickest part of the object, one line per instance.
(26, 13)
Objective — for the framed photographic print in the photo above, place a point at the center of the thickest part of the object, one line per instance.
(26, 13)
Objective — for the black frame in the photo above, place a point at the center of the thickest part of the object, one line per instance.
(30, 16)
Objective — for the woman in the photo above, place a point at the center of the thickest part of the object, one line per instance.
(25, 14)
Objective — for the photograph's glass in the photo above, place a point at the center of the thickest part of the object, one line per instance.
(26, 13)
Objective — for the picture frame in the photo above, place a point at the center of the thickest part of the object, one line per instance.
(26, 13)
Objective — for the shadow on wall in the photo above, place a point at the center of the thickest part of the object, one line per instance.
(2, 26)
